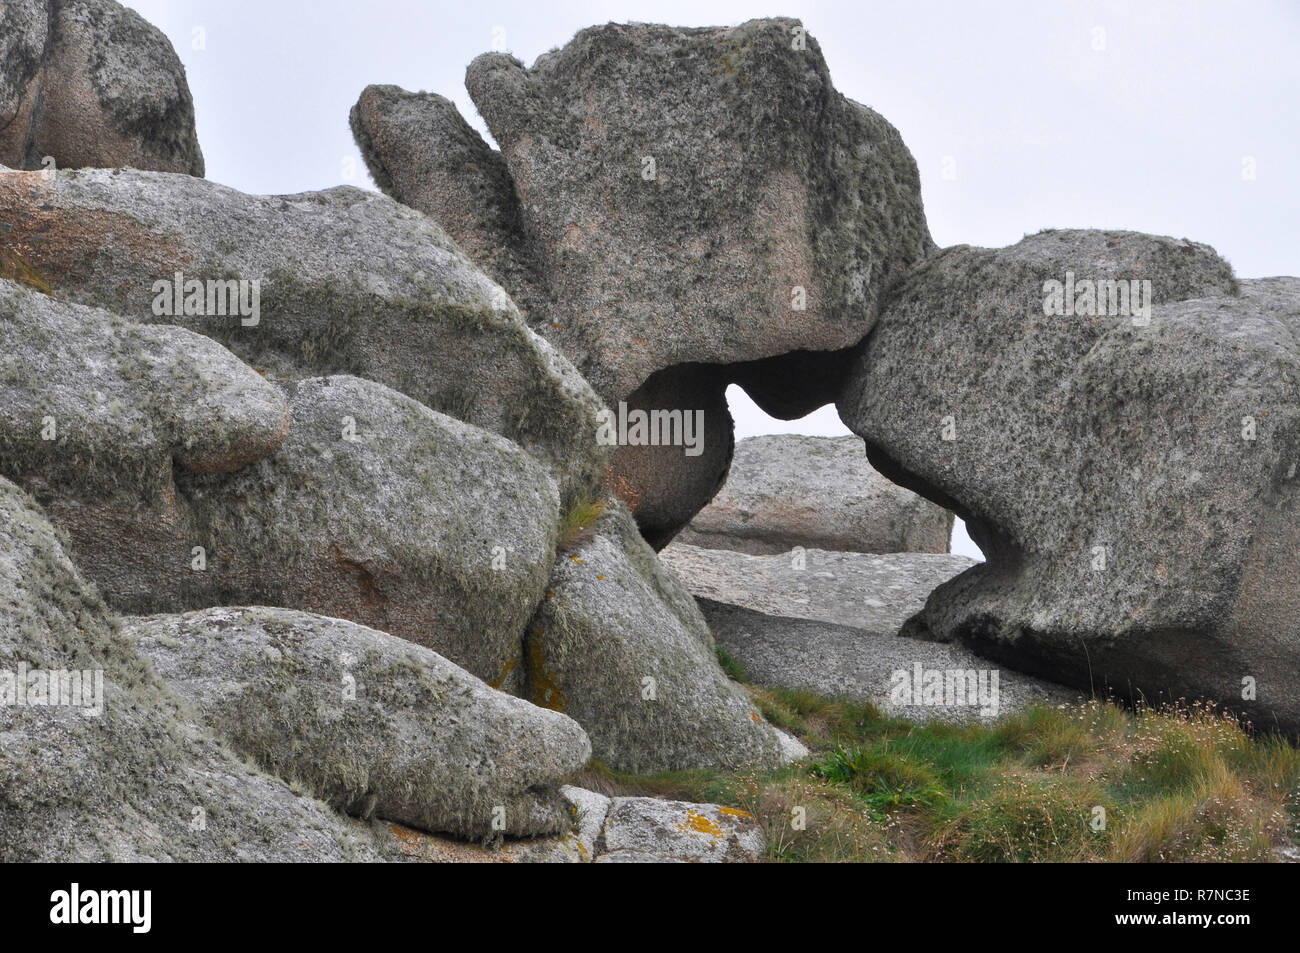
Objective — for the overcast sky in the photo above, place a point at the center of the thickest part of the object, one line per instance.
(1177, 118)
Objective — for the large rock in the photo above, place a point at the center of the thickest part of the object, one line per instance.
(91, 83)
(1131, 478)
(93, 405)
(376, 509)
(631, 216)
(844, 661)
(348, 282)
(369, 723)
(138, 780)
(787, 490)
(619, 645)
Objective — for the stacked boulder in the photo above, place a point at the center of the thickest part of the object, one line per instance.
(325, 462)
(649, 240)
(1117, 418)
(91, 83)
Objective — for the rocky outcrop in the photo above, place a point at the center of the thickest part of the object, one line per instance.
(619, 645)
(367, 722)
(91, 83)
(788, 490)
(630, 214)
(376, 509)
(111, 767)
(1131, 476)
(334, 282)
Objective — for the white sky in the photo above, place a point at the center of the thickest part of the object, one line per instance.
(1022, 115)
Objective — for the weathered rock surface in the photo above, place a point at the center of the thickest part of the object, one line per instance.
(376, 509)
(349, 282)
(630, 215)
(842, 661)
(140, 781)
(619, 645)
(91, 83)
(788, 490)
(667, 484)
(876, 593)
(369, 723)
(95, 405)
(699, 261)
(1133, 484)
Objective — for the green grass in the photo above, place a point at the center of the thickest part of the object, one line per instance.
(1184, 783)
(578, 524)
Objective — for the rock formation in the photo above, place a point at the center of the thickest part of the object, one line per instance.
(1124, 454)
(91, 83)
(630, 214)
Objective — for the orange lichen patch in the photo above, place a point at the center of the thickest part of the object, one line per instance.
(15, 267)
(697, 823)
(601, 577)
(61, 240)
(505, 673)
(734, 812)
(433, 849)
(407, 838)
(576, 559)
(545, 690)
(754, 715)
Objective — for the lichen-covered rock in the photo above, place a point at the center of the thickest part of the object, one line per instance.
(619, 645)
(692, 257)
(369, 723)
(631, 216)
(651, 830)
(138, 780)
(376, 509)
(91, 83)
(334, 282)
(95, 406)
(1132, 478)
(788, 490)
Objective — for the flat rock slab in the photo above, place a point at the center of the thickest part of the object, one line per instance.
(877, 593)
(840, 661)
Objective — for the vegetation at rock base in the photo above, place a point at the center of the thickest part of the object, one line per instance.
(578, 524)
(1177, 783)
